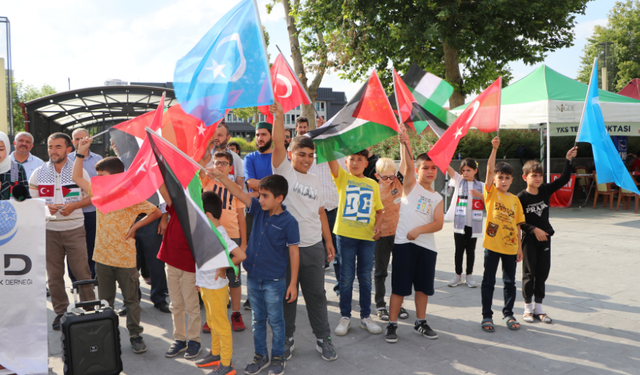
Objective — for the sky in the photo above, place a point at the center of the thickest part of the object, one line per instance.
(88, 42)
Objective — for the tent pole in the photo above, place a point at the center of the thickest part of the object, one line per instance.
(541, 151)
(548, 149)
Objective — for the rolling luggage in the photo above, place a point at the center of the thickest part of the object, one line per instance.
(90, 340)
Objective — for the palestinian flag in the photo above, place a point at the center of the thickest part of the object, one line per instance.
(183, 185)
(431, 92)
(410, 112)
(365, 121)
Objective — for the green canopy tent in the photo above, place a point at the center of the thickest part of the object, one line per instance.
(547, 99)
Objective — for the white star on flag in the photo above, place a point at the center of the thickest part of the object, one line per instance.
(458, 132)
(216, 69)
(201, 129)
(141, 169)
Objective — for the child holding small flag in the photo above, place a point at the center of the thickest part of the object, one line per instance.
(466, 212)
(213, 287)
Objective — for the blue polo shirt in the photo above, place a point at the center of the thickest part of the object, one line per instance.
(268, 248)
(257, 166)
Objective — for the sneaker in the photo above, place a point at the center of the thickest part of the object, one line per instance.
(471, 283)
(424, 330)
(247, 305)
(209, 360)
(343, 326)
(403, 313)
(123, 311)
(277, 366)
(383, 314)
(176, 348)
(223, 370)
(457, 280)
(193, 349)
(137, 344)
(288, 348)
(206, 328)
(236, 322)
(371, 326)
(327, 349)
(390, 334)
(56, 322)
(260, 362)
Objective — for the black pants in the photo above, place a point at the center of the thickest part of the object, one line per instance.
(384, 247)
(536, 263)
(90, 229)
(465, 243)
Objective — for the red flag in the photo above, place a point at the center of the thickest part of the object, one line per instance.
(287, 90)
(483, 113)
(404, 98)
(136, 126)
(186, 132)
(374, 105)
(137, 184)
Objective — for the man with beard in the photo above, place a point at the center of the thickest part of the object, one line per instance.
(302, 125)
(287, 138)
(257, 165)
(23, 144)
(220, 140)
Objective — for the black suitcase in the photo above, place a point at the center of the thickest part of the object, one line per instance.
(90, 340)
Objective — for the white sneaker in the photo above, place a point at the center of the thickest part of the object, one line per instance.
(343, 326)
(371, 326)
(457, 280)
(471, 282)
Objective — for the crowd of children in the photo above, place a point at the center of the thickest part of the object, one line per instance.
(395, 217)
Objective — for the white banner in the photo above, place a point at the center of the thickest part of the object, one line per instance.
(23, 316)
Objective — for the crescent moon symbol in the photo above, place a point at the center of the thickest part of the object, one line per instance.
(287, 83)
(243, 62)
(476, 105)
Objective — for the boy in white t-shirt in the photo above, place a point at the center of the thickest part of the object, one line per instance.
(214, 289)
(306, 203)
(414, 252)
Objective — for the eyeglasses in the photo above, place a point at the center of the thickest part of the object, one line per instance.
(220, 163)
(287, 137)
(390, 178)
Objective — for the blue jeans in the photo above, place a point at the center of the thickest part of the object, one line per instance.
(355, 255)
(266, 298)
(331, 218)
(491, 260)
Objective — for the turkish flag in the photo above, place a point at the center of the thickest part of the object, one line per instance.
(46, 190)
(287, 90)
(136, 184)
(477, 204)
(483, 113)
(187, 133)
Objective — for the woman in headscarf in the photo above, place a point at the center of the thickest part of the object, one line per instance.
(11, 172)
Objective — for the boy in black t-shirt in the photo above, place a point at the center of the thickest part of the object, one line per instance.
(536, 234)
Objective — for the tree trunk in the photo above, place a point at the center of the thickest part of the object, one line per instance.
(452, 74)
(298, 65)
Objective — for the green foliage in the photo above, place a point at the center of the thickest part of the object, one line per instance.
(24, 93)
(484, 34)
(623, 29)
(246, 147)
(477, 145)
(247, 113)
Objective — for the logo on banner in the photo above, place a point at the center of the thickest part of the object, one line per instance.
(477, 204)
(8, 221)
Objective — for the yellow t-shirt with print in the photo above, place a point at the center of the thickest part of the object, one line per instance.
(359, 199)
(504, 214)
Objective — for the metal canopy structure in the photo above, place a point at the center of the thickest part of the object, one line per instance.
(93, 108)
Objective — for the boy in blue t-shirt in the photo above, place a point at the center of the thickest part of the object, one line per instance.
(275, 232)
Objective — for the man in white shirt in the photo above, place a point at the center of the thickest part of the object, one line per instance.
(65, 232)
(23, 143)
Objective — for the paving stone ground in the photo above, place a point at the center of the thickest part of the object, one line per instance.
(592, 295)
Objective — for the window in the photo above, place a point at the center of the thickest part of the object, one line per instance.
(317, 106)
(322, 106)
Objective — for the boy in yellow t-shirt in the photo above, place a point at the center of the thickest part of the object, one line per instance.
(115, 249)
(357, 227)
(501, 240)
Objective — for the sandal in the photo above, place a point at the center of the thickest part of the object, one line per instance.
(527, 317)
(544, 318)
(487, 325)
(511, 322)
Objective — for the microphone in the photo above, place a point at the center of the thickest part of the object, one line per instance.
(20, 192)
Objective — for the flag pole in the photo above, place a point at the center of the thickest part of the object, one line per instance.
(101, 133)
(595, 65)
(297, 80)
(499, 108)
(399, 117)
(177, 149)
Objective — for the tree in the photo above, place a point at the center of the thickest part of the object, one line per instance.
(24, 93)
(470, 43)
(313, 51)
(623, 29)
